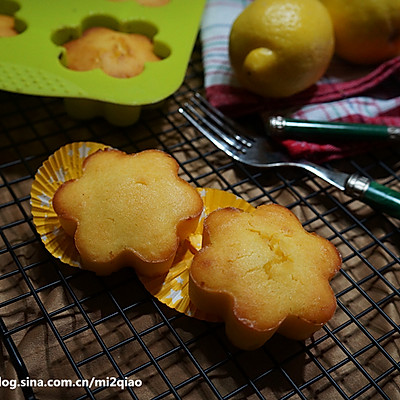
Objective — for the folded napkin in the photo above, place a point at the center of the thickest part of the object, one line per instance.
(346, 93)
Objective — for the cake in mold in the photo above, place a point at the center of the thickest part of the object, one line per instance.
(118, 54)
(262, 273)
(7, 26)
(128, 210)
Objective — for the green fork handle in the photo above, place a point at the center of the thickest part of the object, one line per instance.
(374, 194)
(325, 131)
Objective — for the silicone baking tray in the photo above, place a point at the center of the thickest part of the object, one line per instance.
(32, 61)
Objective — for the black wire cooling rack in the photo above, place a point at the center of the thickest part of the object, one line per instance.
(61, 323)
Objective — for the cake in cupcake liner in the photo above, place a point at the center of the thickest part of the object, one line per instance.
(65, 164)
(172, 289)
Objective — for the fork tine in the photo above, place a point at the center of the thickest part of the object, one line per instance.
(224, 123)
(201, 120)
(209, 133)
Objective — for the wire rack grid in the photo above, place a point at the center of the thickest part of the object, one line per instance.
(58, 322)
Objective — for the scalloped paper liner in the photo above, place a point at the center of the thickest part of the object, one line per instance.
(63, 165)
(173, 289)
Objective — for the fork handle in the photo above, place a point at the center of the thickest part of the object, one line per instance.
(376, 195)
(286, 128)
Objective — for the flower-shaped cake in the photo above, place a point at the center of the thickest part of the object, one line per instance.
(128, 210)
(118, 54)
(262, 272)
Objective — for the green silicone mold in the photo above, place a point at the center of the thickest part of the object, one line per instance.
(32, 61)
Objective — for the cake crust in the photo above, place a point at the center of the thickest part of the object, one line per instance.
(128, 210)
(263, 273)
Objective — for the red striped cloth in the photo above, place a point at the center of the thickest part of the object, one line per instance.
(347, 93)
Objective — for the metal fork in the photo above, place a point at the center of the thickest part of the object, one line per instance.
(256, 151)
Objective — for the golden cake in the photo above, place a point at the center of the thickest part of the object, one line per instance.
(7, 26)
(262, 273)
(118, 54)
(128, 210)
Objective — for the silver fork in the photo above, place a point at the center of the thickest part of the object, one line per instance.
(256, 151)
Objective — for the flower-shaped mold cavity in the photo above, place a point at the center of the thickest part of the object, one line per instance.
(10, 25)
(107, 59)
(112, 49)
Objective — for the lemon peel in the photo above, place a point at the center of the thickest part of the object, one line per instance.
(278, 48)
(366, 31)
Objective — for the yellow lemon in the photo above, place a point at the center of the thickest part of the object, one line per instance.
(366, 31)
(280, 47)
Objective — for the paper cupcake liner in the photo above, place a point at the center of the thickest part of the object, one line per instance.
(173, 289)
(63, 165)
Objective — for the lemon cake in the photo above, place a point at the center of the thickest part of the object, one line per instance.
(263, 273)
(118, 54)
(128, 210)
